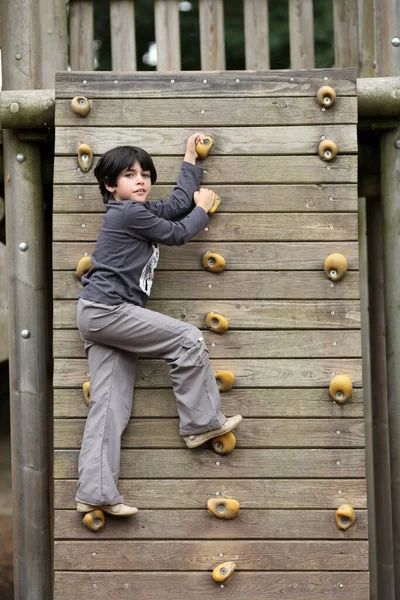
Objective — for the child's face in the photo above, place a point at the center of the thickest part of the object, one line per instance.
(132, 184)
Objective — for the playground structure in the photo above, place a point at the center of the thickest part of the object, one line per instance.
(283, 310)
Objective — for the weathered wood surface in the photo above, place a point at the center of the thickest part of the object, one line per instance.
(256, 198)
(203, 555)
(104, 84)
(345, 25)
(239, 285)
(243, 227)
(246, 464)
(246, 141)
(229, 169)
(81, 20)
(301, 32)
(256, 34)
(212, 37)
(200, 524)
(278, 402)
(167, 33)
(245, 344)
(123, 38)
(253, 433)
(180, 586)
(253, 493)
(238, 255)
(252, 314)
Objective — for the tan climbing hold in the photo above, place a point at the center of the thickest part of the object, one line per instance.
(204, 148)
(85, 157)
(215, 206)
(84, 265)
(86, 392)
(326, 96)
(345, 516)
(223, 571)
(94, 520)
(335, 266)
(327, 150)
(217, 323)
(340, 388)
(224, 380)
(223, 508)
(81, 106)
(225, 443)
(213, 262)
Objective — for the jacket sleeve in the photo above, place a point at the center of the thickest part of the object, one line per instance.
(181, 199)
(143, 224)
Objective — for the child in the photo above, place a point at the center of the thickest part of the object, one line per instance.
(115, 326)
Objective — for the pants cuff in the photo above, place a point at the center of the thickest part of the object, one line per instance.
(216, 424)
(96, 502)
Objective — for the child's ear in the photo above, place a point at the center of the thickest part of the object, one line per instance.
(109, 188)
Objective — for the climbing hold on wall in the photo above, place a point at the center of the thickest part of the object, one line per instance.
(86, 392)
(335, 266)
(340, 388)
(224, 380)
(94, 520)
(215, 206)
(345, 516)
(204, 148)
(213, 262)
(223, 571)
(84, 265)
(81, 106)
(223, 508)
(85, 157)
(225, 443)
(216, 322)
(327, 150)
(326, 96)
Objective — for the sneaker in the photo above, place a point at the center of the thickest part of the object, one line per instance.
(118, 510)
(192, 441)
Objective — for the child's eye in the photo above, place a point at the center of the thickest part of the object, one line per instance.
(146, 175)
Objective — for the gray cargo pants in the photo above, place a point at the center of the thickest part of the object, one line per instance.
(113, 336)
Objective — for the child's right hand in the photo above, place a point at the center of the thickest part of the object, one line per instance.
(205, 198)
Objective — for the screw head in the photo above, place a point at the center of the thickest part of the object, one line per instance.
(292, 79)
(204, 80)
(325, 78)
(83, 225)
(18, 56)
(94, 553)
(20, 158)
(339, 491)
(217, 463)
(341, 585)
(206, 229)
(338, 431)
(237, 80)
(172, 80)
(397, 144)
(26, 334)
(338, 463)
(396, 42)
(220, 555)
(332, 312)
(14, 107)
(23, 246)
(84, 82)
(217, 493)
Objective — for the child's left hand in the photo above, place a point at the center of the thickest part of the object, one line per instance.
(191, 154)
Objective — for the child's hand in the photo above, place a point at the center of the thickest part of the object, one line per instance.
(204, 198)
(191, 154)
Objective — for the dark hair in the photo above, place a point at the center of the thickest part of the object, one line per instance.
(119, 159)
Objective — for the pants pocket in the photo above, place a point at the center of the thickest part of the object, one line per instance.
(196, 349)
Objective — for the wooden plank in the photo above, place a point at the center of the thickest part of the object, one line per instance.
(98, 84)
(248, 372)
(246, 344)
(345, 24)
(166, 18)
(246, 464)
(387, 27)
(53, 40)
(259, 198)
(180, 586)
(254, 227)
(199, 524)
(279, 402)
(212, 37)
(256, 34)
(238, 285)
(253, 493)
(229, 169)
(250, 314)
(203, 555)
(81, 35)
(301, 31)
(123, 38)
(208, 112)
(229, 140)
(253, 256)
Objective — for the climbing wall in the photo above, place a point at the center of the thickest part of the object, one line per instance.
(299, 454)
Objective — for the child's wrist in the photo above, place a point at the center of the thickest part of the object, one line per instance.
(190, 157)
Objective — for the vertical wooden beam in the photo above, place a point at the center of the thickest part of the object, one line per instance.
(387, 37)
(212, 38)
(256, 33)
(301, 29)
(53, 40)
(123, 38)
(166, 16)
(81, 26)
(366, 38)
(29, 361)
(345, 21)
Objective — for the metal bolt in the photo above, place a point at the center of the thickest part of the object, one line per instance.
(94, 553)
(323, 109)
(204, 80)
(115, 80)
(322, 137)
(330, 226)
(83, 225)
(334, 343)
(20, 158)
(223, 570)
(85, 254)
(210, 285)
(339, 491)
(237, 80)
(23, 246)
(396, 42)
(213, 344)
(338, 463)
(338, 431)
(26, 334)
(14, 107)
(18, 56)
(332, 312)
(341, 585)
(202, 111)
(217, 463)
(172, 80)
(397, 144)
(220, 555)
(84, 82)
(330, 198)
(217, 493)
(292, 79)
(325, 78)
(206, 229)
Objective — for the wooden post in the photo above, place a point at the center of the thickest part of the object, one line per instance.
(256, 34)
(346, 33)
(123, 39)
(28, 342)
(166, 15)
(53, 40)
(387, 14)
(301, 27)
(212, 39)
(81, 27)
